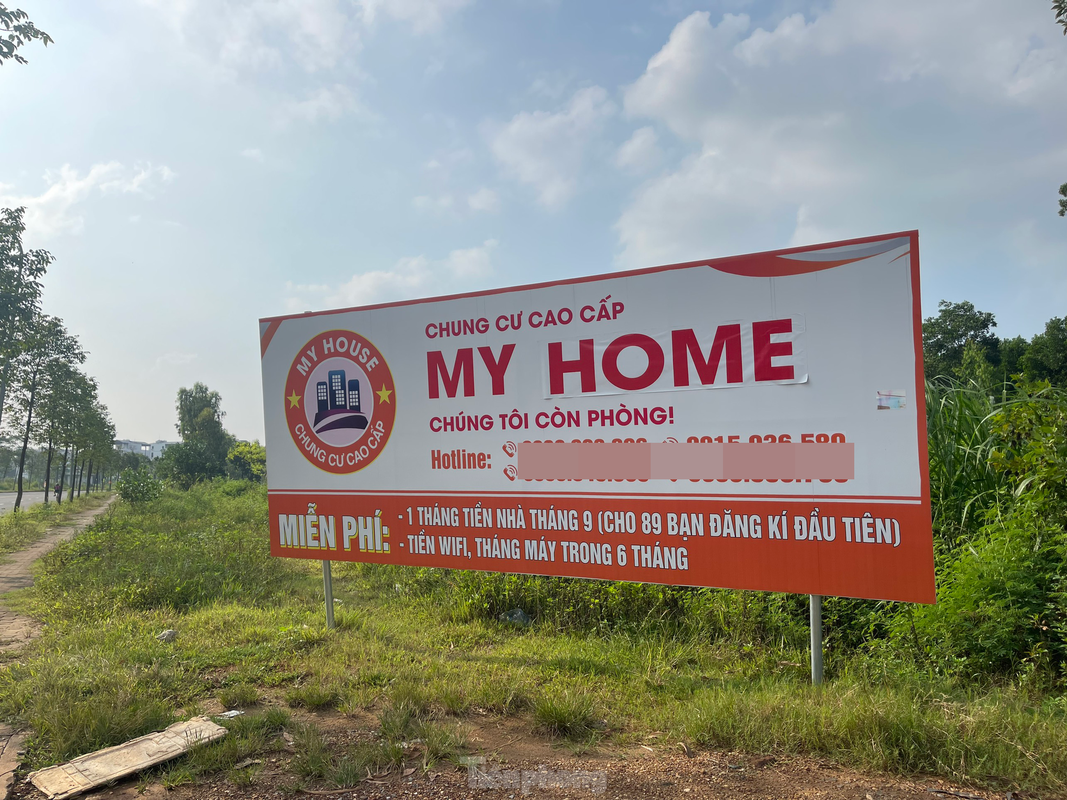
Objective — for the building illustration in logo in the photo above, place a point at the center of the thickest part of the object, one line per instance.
(338, 403)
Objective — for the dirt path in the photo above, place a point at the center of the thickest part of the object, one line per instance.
(16, 573)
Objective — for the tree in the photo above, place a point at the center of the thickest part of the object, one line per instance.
(975, 369)
(52, 406)
(1011, 352)
(1063, 202)
(205, 443)
(186, 463)
(248, 461)
(20, 289)
(74, 412)
(16, 30)
(1046, 358)
(945, 336)
(48, 342)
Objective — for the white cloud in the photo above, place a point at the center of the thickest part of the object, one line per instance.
(995, 51)
(325, 103)
(485, 199)
(263, 34)
(684, 80)
(462, 270)
(139, 181)
(422, 15)
(253, 154)
(545, 150)
(853, 120)
(640, 153)
(53, 212)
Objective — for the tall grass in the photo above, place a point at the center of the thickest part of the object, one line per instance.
(963, 482)
(991, 738)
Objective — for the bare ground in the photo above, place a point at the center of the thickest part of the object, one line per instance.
(659, 769)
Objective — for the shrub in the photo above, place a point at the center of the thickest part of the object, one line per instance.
(139, 487)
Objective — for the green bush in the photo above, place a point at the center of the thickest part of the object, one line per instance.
(1002, 601)
(188, 463)
(138, 486)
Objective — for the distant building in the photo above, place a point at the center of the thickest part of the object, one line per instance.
(151, 451)
(130, 446)
(157, 448)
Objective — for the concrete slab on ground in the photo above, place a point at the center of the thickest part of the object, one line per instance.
(105, 766)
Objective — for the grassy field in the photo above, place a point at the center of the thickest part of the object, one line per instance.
(420, 651)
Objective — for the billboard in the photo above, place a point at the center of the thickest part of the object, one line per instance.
(754, 422)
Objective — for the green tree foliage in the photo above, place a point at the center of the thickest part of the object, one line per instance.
(47, 346)
(187, 463)
(139, 487)
(21, 271)
(946, 335)
(127, 460)
(975, 369)
(53, 403)
(1046, 358)
(248, 461)
(202, 454)
(959, 343)
(200, 420)
(1063, 200)
(17, 30)
(1011, 357)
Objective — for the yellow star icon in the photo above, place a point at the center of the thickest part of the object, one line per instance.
(294, 400)
(383, 394)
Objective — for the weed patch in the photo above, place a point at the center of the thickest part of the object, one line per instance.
(566, 714)
(240, 695)
(313, 697)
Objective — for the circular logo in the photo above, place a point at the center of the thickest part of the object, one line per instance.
(340, 402)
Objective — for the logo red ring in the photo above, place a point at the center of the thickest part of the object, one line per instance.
(340, 401)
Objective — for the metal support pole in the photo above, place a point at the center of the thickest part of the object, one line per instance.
(816, 639)
(327, 584)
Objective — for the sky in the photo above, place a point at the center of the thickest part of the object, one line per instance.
(195, 165)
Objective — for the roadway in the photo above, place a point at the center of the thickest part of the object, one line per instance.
(7, 500)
